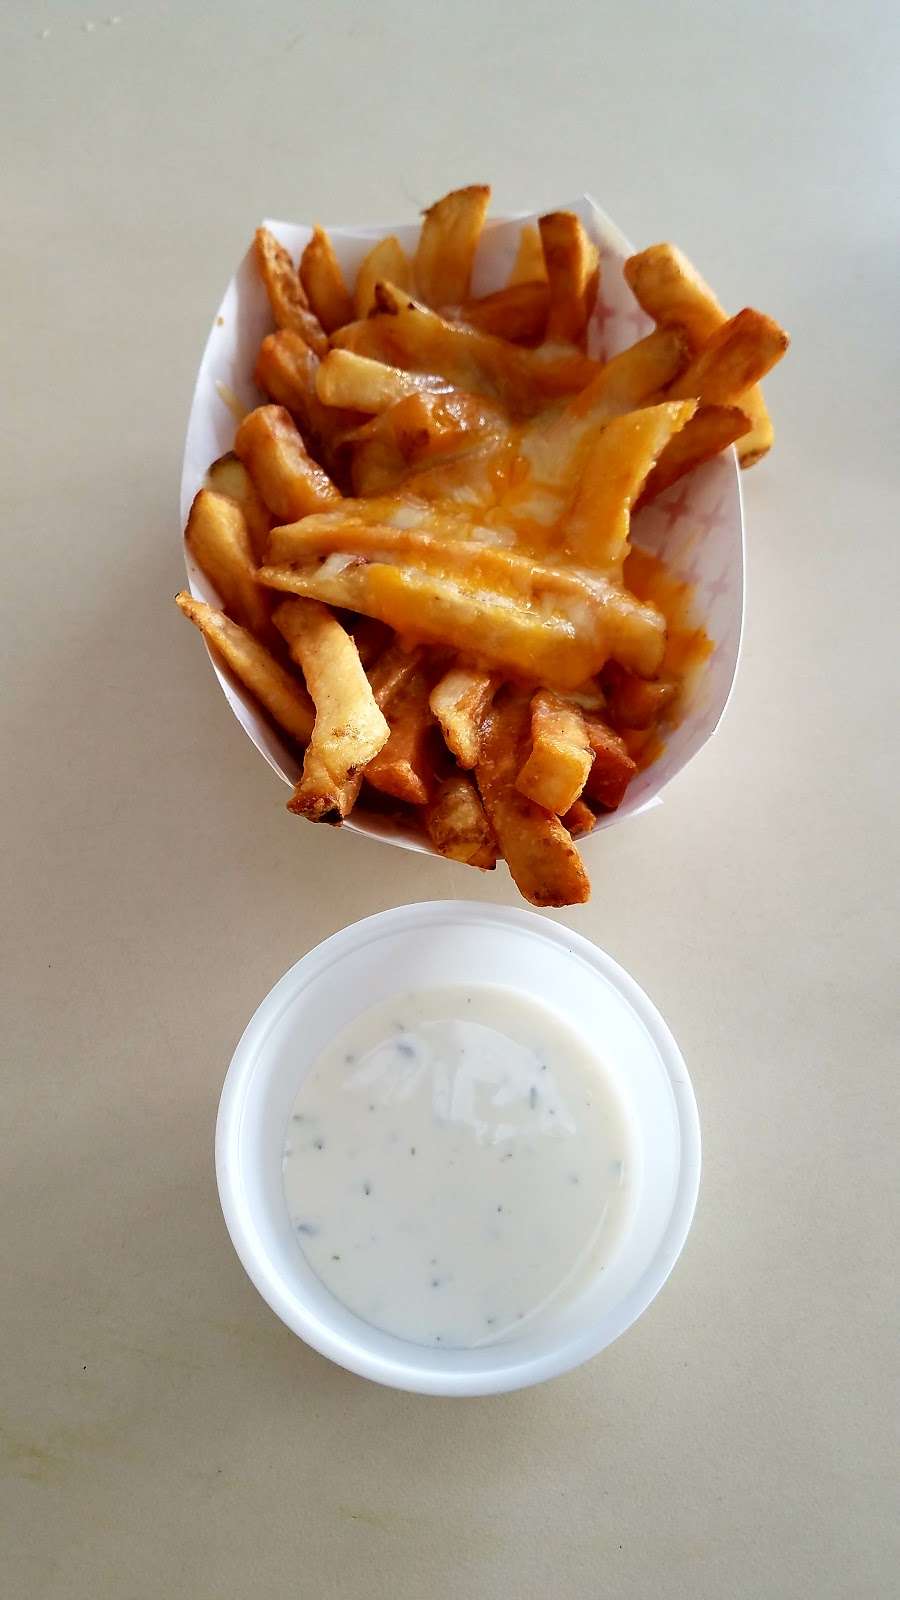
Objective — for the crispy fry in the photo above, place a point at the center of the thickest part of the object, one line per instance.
(541, 857)
(529, 265)
(447, 243)
(349, 728)
(347, 379)
(612, 478)
(629, 380)
(741, 352)
(672, 292)
(230, 477)
(219, 542)
(393, 671)
(321, 277)
(385, 261)
(286, 369)
(612, 768)
(560, 759)
(410, 336)
(405, 767)
(537, 621)
(272, 449)
(287, 296)
(710, 430)
(459, 703)
(633, 702)
(518, 312)
(458, 827)
(579, 819)
(286, 700)
(573, 271)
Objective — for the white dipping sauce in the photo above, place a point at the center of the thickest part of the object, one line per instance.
(456, 1164)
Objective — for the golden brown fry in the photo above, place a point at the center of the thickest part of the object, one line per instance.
(457, 824)
(447, 243)
(287, 296)
(518, 312)
(410, 336)
(579, 820)
(541, 857)
(672, 292)
(573, 271)
(629, 380)
(560, 759)
(529, 265)
(357, 383)
(612, 769)
(321, 277)
(219, 542)
(613, 476)
(459, 703)
(286, 700)
(286, 370)
(405, 766)
(385, 261)
(393, 671)
(635, 702)
(272, 449)
(230, 477)
(349, 728)
(537, 621)
(741, 352)
(710, 430)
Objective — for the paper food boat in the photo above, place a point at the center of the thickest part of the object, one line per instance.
(696, 526)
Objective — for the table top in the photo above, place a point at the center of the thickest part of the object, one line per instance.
(165, 1434)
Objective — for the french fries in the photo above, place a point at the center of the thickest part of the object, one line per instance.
(672, 292)
(347, 379)
(613, 476)
(518, 312)
(561, 757)
(579, 819)
(349, 728)
(459, 702)
(447, 243)
(323, 282)
(219, 541)
(287, 296)
(385, 263)
(539, 852)
(710, 430)
(230, 477)
(442, 486)
(290, 482)
(633, 702)
(737, 355)
(555, 624)
(404, 766)
(286, 370)
(286, 700)
(529, 265)
(612, 768)
(573, 273)
(457, 825)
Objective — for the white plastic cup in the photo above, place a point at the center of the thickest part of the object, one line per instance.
(441, 943)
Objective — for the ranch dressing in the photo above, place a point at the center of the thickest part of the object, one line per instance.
(457, 1162)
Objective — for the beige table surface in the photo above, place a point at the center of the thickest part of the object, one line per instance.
(164, 1435)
